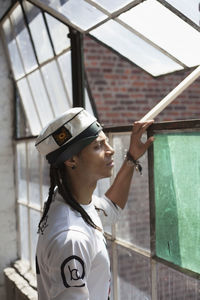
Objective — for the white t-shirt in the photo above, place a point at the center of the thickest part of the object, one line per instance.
(72, 261)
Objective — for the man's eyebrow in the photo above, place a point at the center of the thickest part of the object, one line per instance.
(101, 140)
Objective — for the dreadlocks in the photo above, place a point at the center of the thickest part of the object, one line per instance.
(58, 178)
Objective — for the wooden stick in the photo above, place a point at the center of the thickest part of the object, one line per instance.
(172, 95)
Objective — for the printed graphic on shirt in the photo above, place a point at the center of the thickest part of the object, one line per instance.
(73, 272)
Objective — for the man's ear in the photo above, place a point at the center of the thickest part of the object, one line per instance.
(71, 162)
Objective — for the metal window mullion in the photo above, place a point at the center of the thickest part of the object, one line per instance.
(117, 12)
(17, 45)
(48, 32)
(5, 44)
(179, 14)
(31, 206)
(29, 32)
(133, 248)
(28, 204)
(65, 20)
(113, 15)
(78, 89)
(43, 64)
(8, 12)
(162, 50)
(55, 56)
(19, 233)
(91, 98)
(34, 103)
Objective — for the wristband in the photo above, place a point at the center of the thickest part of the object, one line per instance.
(133, 162)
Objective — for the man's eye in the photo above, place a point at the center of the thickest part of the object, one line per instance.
(98, 145)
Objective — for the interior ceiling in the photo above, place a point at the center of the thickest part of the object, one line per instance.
(158, 36)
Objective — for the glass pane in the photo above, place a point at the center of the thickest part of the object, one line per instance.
(59, 34)
(134, 48)
(34, 174)
(78, 12)
(21, 173)
(189, 8)
(55, 88)
(166, 30)
(29, 106)
(37, 25)
(174, 285)
(40, 97)
(34, 221)
(22, 124)
(133, 225)
(177, 198)
(23, 40)
(102, 186)
(111, 6)
(24, 234)
(88, 105)
(65, 66)
(15, 59)
(134, 275)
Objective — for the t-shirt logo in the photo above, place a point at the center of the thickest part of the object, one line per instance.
(61, 135)
(73, 272)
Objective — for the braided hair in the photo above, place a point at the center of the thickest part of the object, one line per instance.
(58, 179)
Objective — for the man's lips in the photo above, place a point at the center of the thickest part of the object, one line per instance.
(110, 163)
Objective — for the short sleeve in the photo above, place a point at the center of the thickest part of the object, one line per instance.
(109, 212)
(70, 261)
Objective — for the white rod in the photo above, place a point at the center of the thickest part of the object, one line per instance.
(172, 95)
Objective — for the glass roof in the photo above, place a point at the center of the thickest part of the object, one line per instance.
(179, 42)
(79, 13)
(190, 8)
(160, 36)
(149, 33)
(112, 6)
(135, 48)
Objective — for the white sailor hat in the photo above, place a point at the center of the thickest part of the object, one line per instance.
(67, 135)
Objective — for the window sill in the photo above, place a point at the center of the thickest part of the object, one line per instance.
(20, 282)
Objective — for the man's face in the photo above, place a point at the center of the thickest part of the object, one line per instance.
(95, 160)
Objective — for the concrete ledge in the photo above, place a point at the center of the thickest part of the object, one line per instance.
(17, 287)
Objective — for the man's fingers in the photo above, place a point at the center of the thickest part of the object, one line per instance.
(149, 142)
(141, 126)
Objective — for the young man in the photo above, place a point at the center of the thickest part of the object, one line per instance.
(72, 259)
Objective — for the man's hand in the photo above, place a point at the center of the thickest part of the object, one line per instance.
(137, 148)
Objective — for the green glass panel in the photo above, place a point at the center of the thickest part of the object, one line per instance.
(177, 198)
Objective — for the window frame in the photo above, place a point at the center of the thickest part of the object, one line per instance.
(172, 126)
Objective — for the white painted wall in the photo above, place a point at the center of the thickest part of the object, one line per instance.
(8, 235)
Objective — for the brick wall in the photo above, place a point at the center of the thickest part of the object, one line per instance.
(123, 92)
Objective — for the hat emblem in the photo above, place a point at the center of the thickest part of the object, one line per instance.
(61, 135)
